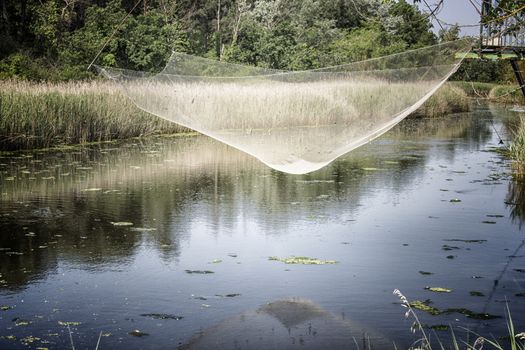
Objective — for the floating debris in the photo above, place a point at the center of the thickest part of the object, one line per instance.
(5, 307)
(455, 200)
(142, 229)
(233, 295)
(91, 190)
(425, 306)
(216, 261)
(199, 272)
(70, 323)
(438, 289)
(451, 257)
(440, 327)
(425, 273)
(448, 247)
(476, 294)
(163, 316)
(466, 240)
(520, 270)
(520, 294)
(121, 223)
(372, 169)
(137, 333)
(488, 222)
(302, 260)
(8, 337)
(29, 340)
(19, 322)
(232, 255)
(495, 216)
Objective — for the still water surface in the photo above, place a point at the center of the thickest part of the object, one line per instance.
(117, 239)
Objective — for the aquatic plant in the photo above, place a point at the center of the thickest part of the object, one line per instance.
(517, 148)
(40, 115)
(516, 341)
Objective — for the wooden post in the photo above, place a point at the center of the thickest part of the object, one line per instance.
(519, 75)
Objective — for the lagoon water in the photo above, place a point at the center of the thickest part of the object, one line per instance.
(164, 243)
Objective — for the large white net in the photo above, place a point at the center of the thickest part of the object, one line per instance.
(298, 121)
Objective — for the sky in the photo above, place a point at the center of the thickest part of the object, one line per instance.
(456, 11)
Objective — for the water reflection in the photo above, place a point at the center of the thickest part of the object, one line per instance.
(287, 324)
(61, 205)
(122, 222)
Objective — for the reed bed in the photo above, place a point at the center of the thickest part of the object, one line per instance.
(41, 115)
(448, 99)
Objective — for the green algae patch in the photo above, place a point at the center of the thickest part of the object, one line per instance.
(438, 289)
(302, 260)
(475, 293)
(471, 314)
(425, 306)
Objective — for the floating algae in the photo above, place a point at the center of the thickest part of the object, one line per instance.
(475, 293)
(302, 260)
(425, 306)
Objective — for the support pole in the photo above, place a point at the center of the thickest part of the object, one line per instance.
(519, 75)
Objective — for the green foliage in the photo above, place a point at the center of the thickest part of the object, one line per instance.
(56, 40)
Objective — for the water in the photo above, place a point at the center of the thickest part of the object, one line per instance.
(68, 252)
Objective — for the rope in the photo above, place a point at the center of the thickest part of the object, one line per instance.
(113, 34)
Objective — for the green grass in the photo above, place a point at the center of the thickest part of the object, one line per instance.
(507, 94)
(448, 99)
(42, 115)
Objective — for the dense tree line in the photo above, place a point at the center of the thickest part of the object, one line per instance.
(57, 39)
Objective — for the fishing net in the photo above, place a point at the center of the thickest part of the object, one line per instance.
(293, 121)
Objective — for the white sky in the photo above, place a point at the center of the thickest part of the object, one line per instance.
(456, 11)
